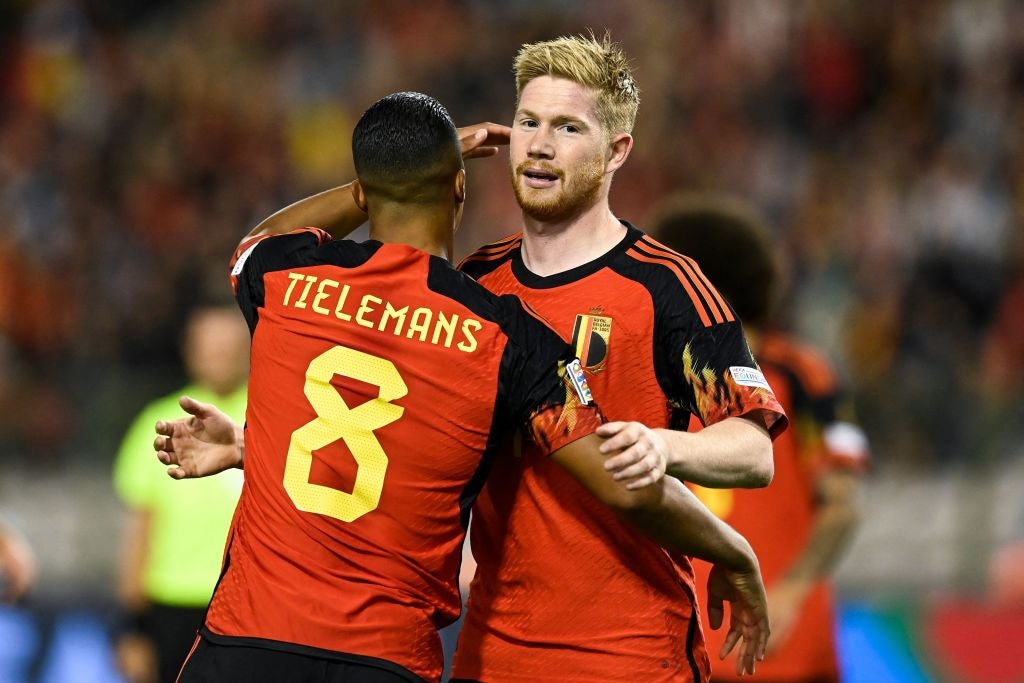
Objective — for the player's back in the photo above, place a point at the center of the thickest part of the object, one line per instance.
(380, 380)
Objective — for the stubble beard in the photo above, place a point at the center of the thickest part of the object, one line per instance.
(578, 193)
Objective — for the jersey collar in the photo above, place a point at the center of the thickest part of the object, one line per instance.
(528, 278)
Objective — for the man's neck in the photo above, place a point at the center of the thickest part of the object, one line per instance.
(552, 248)
(426, 231)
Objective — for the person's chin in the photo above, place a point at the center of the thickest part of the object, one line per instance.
(547, 212)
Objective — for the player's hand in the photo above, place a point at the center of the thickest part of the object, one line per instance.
(206, 443)
(483, 139)
(748, 618)
(17, 565)
(643, 456)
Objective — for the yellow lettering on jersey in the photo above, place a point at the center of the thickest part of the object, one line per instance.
(294, 277)
(321, 295)
(310, 279)
(468, 325)
(424, 324)
(420, 323)
(364, 308)
(339, 310)
(391, 313)
(444, 324)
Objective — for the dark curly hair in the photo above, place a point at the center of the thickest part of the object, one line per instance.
(729, 240)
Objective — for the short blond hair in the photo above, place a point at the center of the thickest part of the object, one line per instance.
(597, 64)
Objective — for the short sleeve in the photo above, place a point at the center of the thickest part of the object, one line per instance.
(713, 373)
(824, 412)
(542, 383)
(258, 255)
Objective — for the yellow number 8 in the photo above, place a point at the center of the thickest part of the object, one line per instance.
(335, 420)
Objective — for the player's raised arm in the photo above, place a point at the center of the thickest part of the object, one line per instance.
(337, 211)
(206, 443)
(670, 514)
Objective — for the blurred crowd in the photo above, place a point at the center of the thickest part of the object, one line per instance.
(885, 141)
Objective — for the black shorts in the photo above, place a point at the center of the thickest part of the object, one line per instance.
(210, 662)
(172, 631)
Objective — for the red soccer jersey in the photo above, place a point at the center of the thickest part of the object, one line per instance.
(808, 389)
(564, 589)
(381, 380)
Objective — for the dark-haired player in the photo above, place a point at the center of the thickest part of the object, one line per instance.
(381, 382)
(818, 465)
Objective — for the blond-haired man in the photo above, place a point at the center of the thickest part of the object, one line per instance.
(563, 590)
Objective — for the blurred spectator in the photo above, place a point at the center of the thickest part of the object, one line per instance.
(882, 139)
(819, 461)
(17, 564)
(175, 531)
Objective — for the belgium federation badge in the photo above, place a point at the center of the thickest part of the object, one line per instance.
(590, 338)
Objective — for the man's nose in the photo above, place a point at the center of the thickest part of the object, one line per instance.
(540, 145)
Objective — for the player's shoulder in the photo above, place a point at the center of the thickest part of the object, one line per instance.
(305, 246)
(505, 309)
(675, 280)
(805, 363)
(262, 243)
(490, 256)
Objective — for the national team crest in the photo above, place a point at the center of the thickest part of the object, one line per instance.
(590, 338)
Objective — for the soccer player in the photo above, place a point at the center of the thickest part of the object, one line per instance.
(382, 382)
(173, 538)
(818, 464)
(658, 344)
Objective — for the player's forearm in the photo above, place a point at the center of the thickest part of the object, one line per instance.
(834, 524)
(333, 210)
(135, 540)
(679, 522)
(733, 453)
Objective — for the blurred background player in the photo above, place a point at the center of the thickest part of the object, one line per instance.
(17, 563)
(800, 524)
(174, 534)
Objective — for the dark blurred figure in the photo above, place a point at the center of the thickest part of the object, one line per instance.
(800, 524)
(174, 533)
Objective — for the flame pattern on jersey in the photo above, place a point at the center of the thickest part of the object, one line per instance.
(719, 397)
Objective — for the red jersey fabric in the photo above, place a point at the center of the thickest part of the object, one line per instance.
(381, 380)
(564, 590)
(808, 388)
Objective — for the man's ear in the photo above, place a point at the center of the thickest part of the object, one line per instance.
(460, 186)
(359, 195)
(618, 151)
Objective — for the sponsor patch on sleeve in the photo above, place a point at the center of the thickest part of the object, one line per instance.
(749, 377)
(579, 381)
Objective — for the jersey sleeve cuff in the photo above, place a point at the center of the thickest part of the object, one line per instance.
(556, 426)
